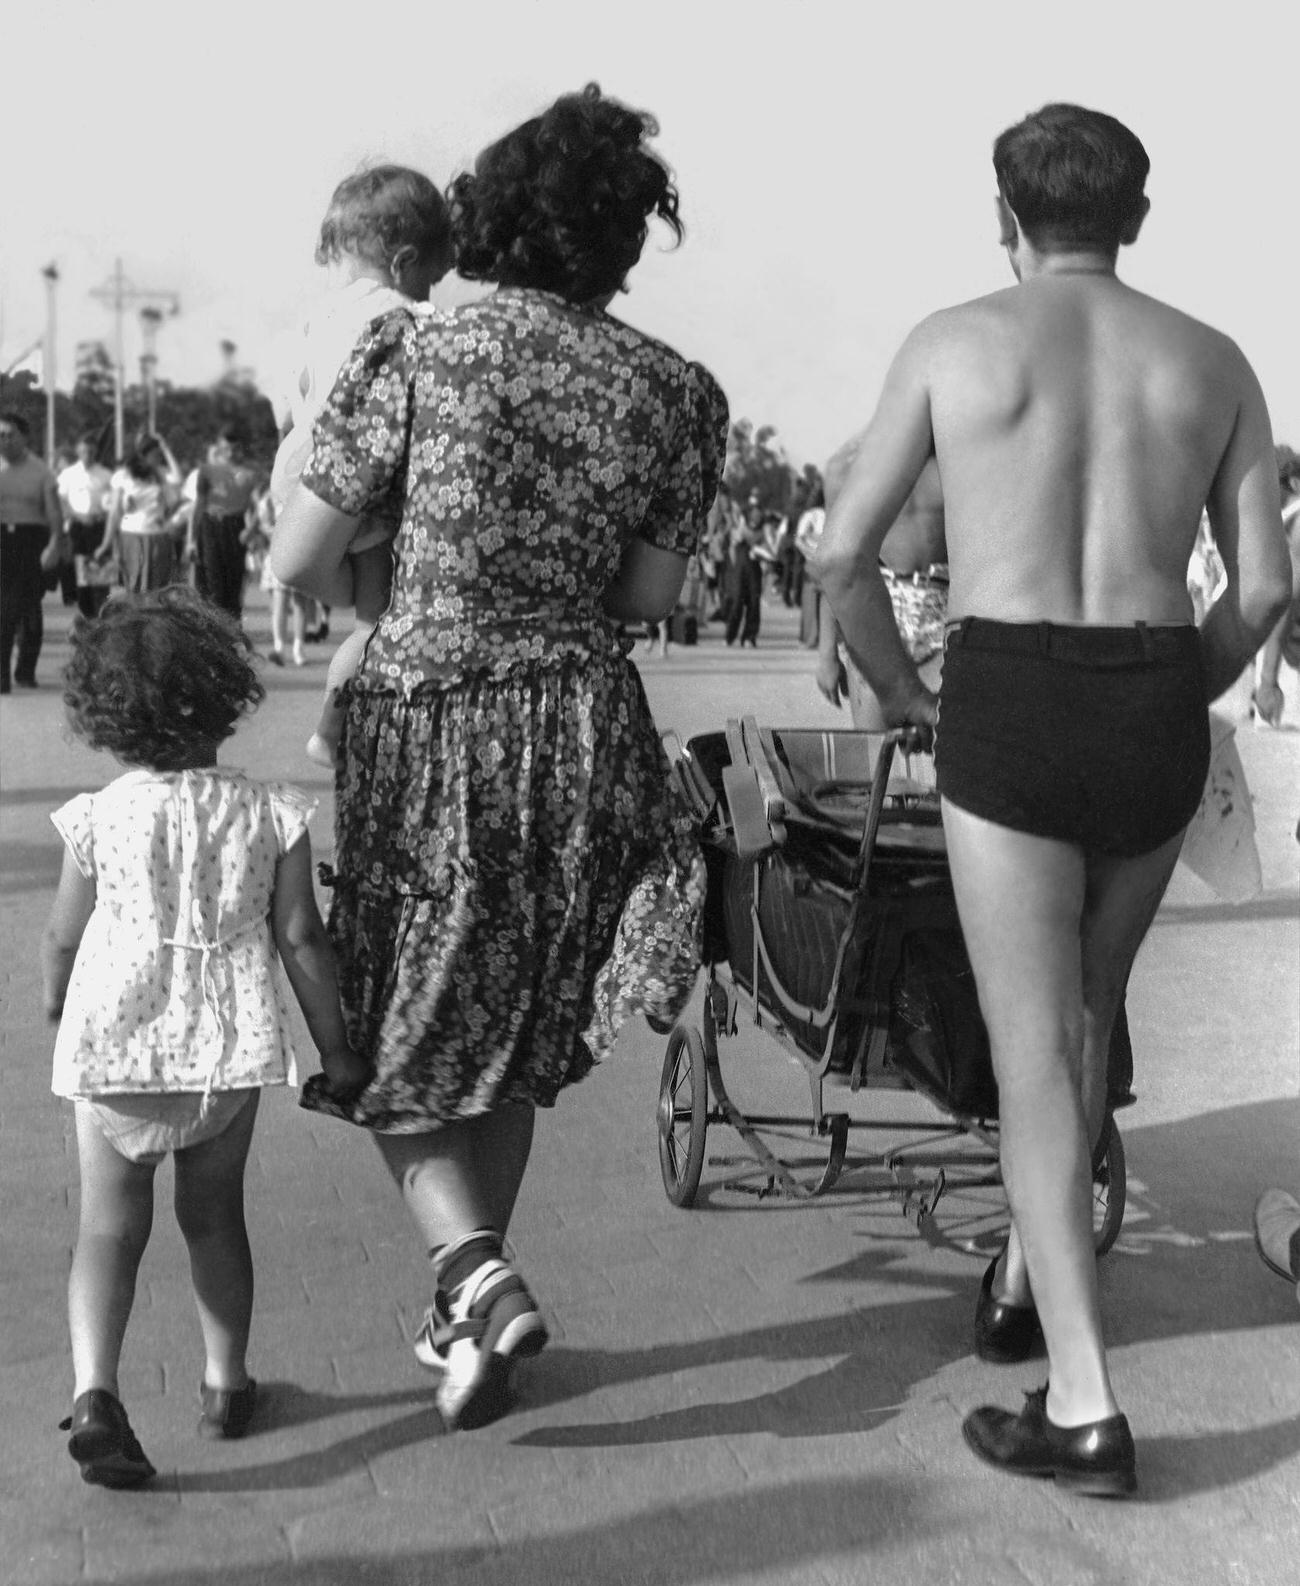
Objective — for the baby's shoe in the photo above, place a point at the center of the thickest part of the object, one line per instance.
(102, 1441)
(226, 1412)
(493, 1322)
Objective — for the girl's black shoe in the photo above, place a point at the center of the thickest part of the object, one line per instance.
(102, 1442)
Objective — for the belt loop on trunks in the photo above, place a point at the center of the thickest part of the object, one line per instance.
(1044, 638)
(1147, 642)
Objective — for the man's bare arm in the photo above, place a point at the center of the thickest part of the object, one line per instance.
(1246, 519)
(889, 457)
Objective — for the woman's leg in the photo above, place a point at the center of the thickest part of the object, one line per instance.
(460, 1184)
(210, 1212)
(463, 1176)
(115, 1220)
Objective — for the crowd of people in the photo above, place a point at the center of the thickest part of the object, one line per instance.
(514, 874)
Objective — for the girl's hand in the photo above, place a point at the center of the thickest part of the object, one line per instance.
(345, 1072)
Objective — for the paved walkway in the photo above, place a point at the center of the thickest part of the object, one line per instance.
(751, 1391)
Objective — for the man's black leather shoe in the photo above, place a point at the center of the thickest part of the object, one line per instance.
(1005, 1334)
(1097, 1458)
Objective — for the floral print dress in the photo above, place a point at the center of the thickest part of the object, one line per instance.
(515, 872)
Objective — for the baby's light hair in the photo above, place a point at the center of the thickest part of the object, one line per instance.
(377, 211)
(156, 678)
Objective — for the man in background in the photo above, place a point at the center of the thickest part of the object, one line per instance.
(31, 543)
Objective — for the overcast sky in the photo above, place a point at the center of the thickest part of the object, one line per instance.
(832, 157)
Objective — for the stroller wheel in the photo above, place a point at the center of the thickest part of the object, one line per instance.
(683, 1115)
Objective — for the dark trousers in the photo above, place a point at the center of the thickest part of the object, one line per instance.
(86, 539)
(219, 563)
(21, 588)
(744, 601)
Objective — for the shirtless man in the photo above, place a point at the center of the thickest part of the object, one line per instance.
(914, 556)
(1079, 428)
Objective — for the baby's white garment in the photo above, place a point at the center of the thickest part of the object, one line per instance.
(329, 337)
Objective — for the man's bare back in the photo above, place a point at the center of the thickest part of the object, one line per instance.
(1080, 427)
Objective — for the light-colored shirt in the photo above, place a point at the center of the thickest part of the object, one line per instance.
(85, 491)
(145, 503)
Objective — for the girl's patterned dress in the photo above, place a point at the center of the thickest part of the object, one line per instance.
(515, 871)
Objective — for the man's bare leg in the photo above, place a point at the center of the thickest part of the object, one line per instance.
(1051, 938)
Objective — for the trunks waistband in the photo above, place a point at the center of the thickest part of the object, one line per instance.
(1086, 645)
(11, 526)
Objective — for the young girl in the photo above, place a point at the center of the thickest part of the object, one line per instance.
(180, 883)
(386, 238)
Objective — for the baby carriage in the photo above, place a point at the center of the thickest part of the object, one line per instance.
(831, 919)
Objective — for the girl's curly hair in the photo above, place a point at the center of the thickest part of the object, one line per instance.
(155, 679)
(561, 203)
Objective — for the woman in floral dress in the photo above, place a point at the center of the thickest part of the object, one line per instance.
(515, 874)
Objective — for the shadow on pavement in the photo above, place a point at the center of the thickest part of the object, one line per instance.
(738, 1536)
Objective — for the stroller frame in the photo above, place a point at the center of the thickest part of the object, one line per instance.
(693, 1094)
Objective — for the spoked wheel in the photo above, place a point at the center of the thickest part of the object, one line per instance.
(1109, 1189)
(683, 1115)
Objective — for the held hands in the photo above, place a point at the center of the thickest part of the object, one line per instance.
(345, 1073)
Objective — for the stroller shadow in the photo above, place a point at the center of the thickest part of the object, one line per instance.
(1184, 1267)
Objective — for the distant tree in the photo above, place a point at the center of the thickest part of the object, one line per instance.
(757, 466)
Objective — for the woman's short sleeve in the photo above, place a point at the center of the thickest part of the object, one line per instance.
(361, 437)
(74, 823)
(291, 809)
(680, 505)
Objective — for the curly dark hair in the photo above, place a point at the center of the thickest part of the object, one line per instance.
(159, 679)
(562, 202)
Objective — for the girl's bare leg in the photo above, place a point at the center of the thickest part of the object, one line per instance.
(210, 1211)
(116, 1217)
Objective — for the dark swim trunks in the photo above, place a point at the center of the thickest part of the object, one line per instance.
(1089, 735)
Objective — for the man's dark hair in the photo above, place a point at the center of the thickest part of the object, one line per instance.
(18, 422)
(1074, 178)
(561, 203)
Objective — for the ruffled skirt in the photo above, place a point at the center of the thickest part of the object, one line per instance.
(515, 874)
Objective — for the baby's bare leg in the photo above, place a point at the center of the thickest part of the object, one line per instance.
(372, 579)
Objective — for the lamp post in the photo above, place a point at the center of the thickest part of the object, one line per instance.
(51, 275)
(117, 292)
(150, 319)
